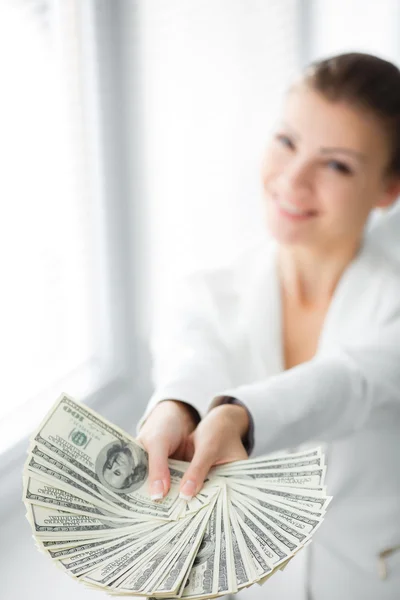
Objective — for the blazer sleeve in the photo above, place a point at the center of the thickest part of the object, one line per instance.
(189, 358)
(340, 391)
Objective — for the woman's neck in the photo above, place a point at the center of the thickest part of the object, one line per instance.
(309, 276)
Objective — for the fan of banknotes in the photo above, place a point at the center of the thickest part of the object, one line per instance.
(87, 500)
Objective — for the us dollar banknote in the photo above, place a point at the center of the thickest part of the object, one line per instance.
(86, 492)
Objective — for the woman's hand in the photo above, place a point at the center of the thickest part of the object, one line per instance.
(166, 432)
(216, 440)
(170, 431)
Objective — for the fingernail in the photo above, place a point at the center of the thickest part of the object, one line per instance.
(157, 490)
(188, 490)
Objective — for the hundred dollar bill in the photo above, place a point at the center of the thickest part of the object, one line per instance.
(143, 577)
(102, 453)
(60, 544)
(221, 576)
(260, 564)
(45, 466)
(262, 467)
(272, 550)
(227, 540)
(79, 566)
(244, 569)
(250, 463)
(284, 539)
(203, 577)
(199, 547)
(298, 502)
(298, 523)
(176, 572)
(302, 477)
(59, 524)
(169, 567)
(71, 551)
(42, 493)
(90, 559)
(314, 501)
(41, 465)
(139, 579)
(118, 567)
(44, 544)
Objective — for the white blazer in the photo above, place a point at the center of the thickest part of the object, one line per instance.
(221, 335)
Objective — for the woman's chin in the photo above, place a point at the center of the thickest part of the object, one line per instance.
(288, 236)
(286, 230)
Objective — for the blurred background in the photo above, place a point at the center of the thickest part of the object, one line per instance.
(131, 135)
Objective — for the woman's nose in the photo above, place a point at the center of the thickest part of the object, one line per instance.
(295, 177)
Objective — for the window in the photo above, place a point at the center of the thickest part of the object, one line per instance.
(54, 322)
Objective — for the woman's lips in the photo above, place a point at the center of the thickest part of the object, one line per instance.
(291, 211)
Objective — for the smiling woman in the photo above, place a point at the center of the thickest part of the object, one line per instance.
(334, 156)
(298, 343)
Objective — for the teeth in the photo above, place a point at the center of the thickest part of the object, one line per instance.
(292, 209)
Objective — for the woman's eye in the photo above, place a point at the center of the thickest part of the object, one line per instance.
(339, 166)
(285, 140)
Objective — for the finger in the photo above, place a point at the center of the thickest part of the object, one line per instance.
(159, 476)
(234, 454)
(185, 451)
(189, 448)
(179, 453)
(194, 477)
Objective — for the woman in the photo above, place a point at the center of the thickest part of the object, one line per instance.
(298, 341)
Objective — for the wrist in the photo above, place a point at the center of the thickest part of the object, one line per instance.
(237, 416)
(182, 410)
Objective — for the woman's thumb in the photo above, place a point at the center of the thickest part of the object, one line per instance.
(194, 477)
(159, 476)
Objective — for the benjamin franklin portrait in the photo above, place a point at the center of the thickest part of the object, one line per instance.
(122, 467)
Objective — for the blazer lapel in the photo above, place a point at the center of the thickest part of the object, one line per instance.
(354, 301)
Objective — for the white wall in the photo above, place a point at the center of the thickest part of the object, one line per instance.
(213, 74)
(356, 25)
(361, 26)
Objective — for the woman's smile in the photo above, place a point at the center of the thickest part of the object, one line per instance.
(291, 211)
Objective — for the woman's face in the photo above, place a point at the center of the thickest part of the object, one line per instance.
(323, 171)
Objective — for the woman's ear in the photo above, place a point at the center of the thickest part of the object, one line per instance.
(390, 194)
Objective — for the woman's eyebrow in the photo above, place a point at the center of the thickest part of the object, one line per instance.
(324, 150)
(355, 153)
